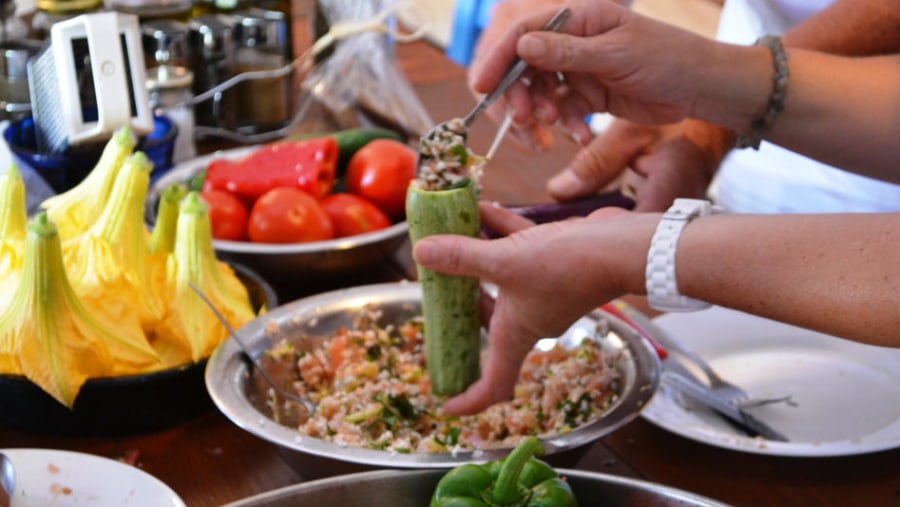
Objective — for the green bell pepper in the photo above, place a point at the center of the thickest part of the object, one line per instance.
(518, 480)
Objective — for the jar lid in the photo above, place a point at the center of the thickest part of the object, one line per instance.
(63, 6)
(169, 76)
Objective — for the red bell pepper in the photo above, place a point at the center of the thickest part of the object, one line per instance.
(309, 165)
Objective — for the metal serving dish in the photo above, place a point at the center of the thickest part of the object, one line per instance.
(413, 488)
(315, 261)
(234, 392)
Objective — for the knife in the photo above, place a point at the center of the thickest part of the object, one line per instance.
(739, 417)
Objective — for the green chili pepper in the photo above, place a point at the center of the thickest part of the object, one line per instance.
(518, 480)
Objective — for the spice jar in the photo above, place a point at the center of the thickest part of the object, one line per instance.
(261, 44)
(165, 42)
(169, 88)
(211, 51)
(15, 98)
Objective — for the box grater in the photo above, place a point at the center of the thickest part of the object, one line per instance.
(89, 81)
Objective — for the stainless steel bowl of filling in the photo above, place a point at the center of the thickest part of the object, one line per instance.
(329, 443)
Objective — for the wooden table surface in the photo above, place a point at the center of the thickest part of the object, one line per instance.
(209, 461)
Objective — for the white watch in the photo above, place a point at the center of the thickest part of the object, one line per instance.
(661, 282)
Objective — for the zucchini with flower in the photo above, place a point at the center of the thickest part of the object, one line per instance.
(443, 199)
(189, 331)
(76, 209)
(56, 341)
(13, 219)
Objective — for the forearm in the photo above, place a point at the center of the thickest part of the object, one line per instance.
(842, 111)
(839, 28)
(823, 272)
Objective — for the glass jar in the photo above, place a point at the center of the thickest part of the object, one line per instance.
(165, 42)
(261, 44)
(211, 50)
(15, 98)
(169, 88)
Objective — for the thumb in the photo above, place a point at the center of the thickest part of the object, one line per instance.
(454, 255)
(597, 164)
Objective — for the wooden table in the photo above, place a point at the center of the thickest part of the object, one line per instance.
(209, 461)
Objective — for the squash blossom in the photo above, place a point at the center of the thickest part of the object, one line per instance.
(78, 208)
(58, 341)
(13, 219)
(190, 331)
(108, 264)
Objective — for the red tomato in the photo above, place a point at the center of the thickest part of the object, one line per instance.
(227, 214)
(351, 214)
(288, 215)
(381, 171)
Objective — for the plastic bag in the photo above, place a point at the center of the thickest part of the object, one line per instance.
(358, 84)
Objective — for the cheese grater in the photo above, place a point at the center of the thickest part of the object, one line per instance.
(89, 81)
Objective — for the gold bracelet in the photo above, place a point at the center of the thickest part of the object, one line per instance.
(760, 126)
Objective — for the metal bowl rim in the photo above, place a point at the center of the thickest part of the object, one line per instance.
(387, 475)
(226, 372)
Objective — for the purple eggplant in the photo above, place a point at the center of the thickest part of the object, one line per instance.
(552, 212)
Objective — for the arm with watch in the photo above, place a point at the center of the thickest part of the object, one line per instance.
(835, 273)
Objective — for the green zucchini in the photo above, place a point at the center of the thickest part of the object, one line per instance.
(351, 140)
(449, 303)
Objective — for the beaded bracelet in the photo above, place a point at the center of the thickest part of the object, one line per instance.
(776, 101)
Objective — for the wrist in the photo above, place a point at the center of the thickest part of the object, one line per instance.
(733, 96)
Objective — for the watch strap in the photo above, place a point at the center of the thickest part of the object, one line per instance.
(661, 279)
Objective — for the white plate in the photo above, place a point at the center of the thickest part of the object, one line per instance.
(46, 477)
(847, 393)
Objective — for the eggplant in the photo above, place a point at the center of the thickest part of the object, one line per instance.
(553, 212)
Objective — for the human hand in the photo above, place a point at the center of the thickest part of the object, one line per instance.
(610, 58)
(531, 132)
(547, 277)
(658, 163)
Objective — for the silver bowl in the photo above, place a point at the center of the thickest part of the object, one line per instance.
(413, 488)
(286, 263)
(237, 396)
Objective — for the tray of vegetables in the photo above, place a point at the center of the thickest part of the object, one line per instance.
(306, 207)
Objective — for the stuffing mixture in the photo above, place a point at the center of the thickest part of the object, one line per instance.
(445, 161)
(371, 388)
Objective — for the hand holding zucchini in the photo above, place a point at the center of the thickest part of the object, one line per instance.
(443, 199)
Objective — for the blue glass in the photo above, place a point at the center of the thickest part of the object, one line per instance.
(64, 171)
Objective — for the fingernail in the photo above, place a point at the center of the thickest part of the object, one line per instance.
(564, 183)
(534, 46)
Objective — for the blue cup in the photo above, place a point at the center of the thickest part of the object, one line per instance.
(64, 171)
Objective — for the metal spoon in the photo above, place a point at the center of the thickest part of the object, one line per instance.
(460, 126)
(287, 416)
(7, 480)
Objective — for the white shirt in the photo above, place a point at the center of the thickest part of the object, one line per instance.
(773, 179)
